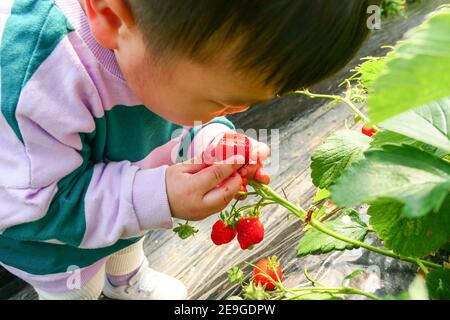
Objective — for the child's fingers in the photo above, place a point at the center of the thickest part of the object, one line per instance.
(262, 176)
(259, 151)
(249, 171)
(262, 151)
(193, 165)
(210, 177)
(218, 198)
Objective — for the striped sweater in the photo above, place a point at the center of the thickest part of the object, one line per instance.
(82, 161)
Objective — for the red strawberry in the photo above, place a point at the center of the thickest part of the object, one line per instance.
(222, 233)
(250, 232)
(265, 270)
(233, 144)
(368, 131)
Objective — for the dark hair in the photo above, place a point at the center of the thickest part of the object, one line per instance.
(293, 43)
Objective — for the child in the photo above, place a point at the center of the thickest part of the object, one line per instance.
(98, 102)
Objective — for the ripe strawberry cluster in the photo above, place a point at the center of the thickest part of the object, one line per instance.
(249, 230)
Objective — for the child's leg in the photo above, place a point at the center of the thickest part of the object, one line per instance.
(130, 278)
(124, 264)
(84, 283)
(91, 290)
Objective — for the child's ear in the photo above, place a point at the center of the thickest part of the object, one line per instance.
(106, 18)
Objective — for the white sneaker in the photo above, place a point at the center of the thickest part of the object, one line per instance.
(147, 284)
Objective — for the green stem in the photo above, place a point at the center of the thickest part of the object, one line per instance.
(272, 195)
(301, 214)
(343, 290)
(346, 101)
(317, 225)
(313, 281)
(421, 265)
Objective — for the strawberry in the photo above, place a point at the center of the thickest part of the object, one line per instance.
(233, 144)
(222, 233)
(266, 271)
(250, 232)
(368, 131)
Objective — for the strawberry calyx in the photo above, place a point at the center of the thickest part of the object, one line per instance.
(272, 263)
(255, 292)
(228, 219)
(184, 230)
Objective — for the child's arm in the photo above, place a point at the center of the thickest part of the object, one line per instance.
(50, 190)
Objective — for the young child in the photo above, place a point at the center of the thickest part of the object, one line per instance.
(98, 102)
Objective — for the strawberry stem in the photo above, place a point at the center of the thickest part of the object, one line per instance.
(268, 193)
(337, 98)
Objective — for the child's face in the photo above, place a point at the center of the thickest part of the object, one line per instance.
(180, 91)
(184, 92)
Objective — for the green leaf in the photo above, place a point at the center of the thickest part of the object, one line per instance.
(384, 137)
(429, 124)
(418, 179)
(321, 194)
(338, 152)
(438, 284)
(348, 224)
(370, 70)
(417, 73)
(413, 237)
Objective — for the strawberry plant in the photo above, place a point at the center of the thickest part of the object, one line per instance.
(399, 170)
(401, 174)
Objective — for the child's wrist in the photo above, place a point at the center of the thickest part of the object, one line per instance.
(150, 199)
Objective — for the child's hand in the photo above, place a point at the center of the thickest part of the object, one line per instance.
(196, 191)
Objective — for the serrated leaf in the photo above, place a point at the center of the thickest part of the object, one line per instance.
(370, 70)
(384, 137)
(438, 284)
(338, 152)
(348, 224)
(321, 194)
(417, 73)
(418, 179)
(414, 237)
(429, 124)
